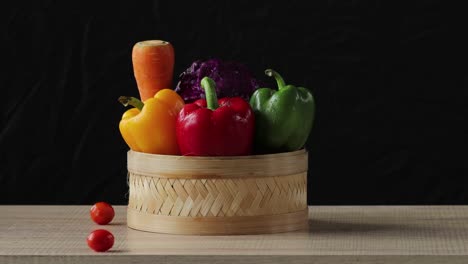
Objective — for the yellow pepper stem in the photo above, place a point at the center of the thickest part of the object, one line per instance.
(128, 100)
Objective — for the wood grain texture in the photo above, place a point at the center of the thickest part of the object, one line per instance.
(351, 234)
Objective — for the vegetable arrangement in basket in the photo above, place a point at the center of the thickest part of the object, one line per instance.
(217, 108)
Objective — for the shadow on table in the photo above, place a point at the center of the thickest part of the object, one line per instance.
(322, 226)
(117, 223)
(117, 251)
(410, 230)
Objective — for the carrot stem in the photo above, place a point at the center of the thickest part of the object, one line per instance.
(153, 66)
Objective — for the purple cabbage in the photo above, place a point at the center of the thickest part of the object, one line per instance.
(232, 79)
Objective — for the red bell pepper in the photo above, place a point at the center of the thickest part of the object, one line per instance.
(213, 127)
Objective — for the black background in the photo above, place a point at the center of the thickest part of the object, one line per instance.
(390, 82)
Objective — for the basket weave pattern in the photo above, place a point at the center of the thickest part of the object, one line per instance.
(218, 197)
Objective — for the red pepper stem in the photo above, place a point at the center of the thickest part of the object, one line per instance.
(279, 79)
(128, 100)
(210, 93)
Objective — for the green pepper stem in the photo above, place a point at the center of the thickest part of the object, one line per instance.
(279, 79)
(210, 93)
(128, 100)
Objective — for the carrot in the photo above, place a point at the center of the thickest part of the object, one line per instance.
(153, 66)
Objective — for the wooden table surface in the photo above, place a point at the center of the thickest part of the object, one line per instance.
(336, 234)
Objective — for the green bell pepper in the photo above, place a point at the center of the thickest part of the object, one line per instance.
(283, 118)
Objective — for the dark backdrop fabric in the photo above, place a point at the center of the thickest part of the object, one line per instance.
(390, 82)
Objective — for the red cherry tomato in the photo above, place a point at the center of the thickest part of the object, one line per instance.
(100, 240)
(102, 213)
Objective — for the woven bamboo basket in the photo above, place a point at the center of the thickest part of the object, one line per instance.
(217, 195)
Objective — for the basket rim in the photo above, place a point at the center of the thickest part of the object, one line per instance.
(258, 156)
(188, 167)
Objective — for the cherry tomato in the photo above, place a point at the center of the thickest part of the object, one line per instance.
(100, 240)
(102, 213)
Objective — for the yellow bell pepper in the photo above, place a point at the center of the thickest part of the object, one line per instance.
(150, 127)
